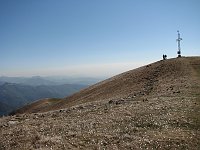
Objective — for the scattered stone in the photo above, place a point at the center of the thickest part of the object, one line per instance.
(145, 99)
(111, 102)
(80, 107)
(12, 122)
(174, 92)
(164, 122)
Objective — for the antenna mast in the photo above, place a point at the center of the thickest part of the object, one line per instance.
(179, 44)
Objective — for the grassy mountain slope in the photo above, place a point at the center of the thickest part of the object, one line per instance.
(152, 107)
(144, 81)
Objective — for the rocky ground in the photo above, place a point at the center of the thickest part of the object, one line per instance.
(163, 113)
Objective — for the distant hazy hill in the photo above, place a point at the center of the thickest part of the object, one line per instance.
(37, 80)
(76, 80)
(14, 95)
(1, 82)
(54, 80)
(5, 109)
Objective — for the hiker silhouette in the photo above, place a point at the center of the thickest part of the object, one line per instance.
(164, 57)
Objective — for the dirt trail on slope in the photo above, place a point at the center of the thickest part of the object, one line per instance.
(158, 107)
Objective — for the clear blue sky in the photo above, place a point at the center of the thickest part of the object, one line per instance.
(93, 37)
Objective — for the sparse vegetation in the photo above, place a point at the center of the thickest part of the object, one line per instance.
(195, 113)
(163, 116)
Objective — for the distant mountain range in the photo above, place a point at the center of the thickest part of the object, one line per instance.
(15, 95)
(54, 80)
(16, 92)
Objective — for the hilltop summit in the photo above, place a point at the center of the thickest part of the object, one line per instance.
(162, 78)
(156, 106)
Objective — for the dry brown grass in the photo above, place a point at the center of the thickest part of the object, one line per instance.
(154, 107)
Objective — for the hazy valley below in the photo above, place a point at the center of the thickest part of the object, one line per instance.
(16, 92)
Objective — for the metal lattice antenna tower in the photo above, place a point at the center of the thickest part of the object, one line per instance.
(179, 44)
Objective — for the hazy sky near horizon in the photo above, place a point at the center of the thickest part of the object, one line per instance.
(93, 37)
